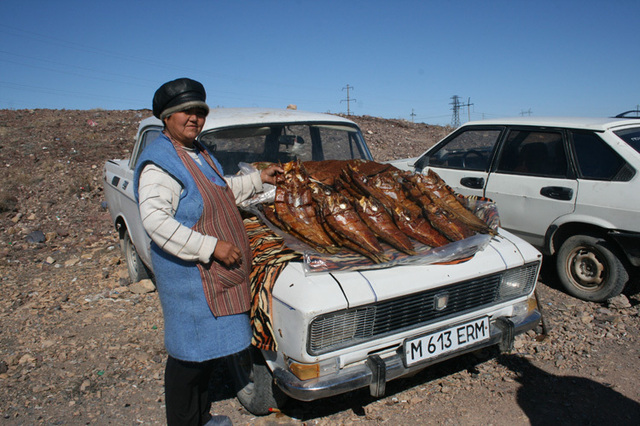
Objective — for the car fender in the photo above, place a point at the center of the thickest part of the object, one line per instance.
(584, 222)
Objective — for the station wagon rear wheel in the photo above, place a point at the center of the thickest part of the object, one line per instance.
(137, 270)
(589, 269)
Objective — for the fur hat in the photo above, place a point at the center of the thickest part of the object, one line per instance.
(179, 95)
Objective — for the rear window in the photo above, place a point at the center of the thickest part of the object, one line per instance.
(630, 136)
(534, 153)
(149, 134)
(597, 161)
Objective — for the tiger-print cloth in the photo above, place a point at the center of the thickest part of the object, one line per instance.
(270, 256)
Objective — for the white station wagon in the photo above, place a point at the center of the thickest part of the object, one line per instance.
(340, 330)
(569, 186)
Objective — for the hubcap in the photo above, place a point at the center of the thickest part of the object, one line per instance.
(133, 257)
(586, 269)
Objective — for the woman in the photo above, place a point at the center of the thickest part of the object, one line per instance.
(200, 251)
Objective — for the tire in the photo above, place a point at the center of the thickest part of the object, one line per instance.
(589, 269)
(137, 270)
(259, 393)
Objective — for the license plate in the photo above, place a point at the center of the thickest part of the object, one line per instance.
(444, 341)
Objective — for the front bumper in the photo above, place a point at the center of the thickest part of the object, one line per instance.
(376, 371)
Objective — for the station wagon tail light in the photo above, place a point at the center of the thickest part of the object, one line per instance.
(313, 371)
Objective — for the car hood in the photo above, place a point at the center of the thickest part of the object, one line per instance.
(317, 293)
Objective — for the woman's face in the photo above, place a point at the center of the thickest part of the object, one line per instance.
(185, 126)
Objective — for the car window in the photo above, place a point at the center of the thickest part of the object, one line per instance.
(630, 136)
(338, 143)
(148, 135)
(597, 160)
(536, 153)
(284, 143)
(470, 150)
(251, 144)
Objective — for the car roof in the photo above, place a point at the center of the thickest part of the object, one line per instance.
(219, 118)
(590, 123)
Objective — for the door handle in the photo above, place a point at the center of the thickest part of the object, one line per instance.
(472, 182)
(557, 192)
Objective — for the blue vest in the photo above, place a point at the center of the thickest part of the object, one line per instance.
(191, 331)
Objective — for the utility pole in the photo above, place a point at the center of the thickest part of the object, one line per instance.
(412, 115)
(348, 100)
(468, 105)
(455, 118)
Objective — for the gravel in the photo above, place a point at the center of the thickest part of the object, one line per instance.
(81, 344)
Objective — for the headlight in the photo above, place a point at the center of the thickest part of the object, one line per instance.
(332, 330)
(518, 282)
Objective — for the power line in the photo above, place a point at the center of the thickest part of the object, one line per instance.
(119, 78)
(48, 39)
(53, 91)
(67, 66)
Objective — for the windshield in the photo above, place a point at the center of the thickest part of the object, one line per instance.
(630, 136)
(281, 143)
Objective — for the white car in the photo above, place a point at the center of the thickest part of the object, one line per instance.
(341, 330)
(569, 186)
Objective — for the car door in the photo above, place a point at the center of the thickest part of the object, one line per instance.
(463, 159)
(532, 182)
(607, 197)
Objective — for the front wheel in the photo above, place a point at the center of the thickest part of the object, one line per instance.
(589, 269)
(258, 392)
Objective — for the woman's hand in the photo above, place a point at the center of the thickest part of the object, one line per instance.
(227, 254)
(269, 174)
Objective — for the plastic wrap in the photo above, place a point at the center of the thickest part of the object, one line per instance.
(268, 194)
(347, 260)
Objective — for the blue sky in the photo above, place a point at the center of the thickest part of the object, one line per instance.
(398, 57)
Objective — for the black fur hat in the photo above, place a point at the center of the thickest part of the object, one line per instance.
(179, 95)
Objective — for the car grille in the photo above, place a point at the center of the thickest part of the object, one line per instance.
(346, 328)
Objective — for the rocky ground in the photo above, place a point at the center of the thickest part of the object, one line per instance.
(80, 345)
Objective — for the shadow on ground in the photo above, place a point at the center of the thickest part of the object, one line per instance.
(356, 401)
(568, 400)
(545, 398)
